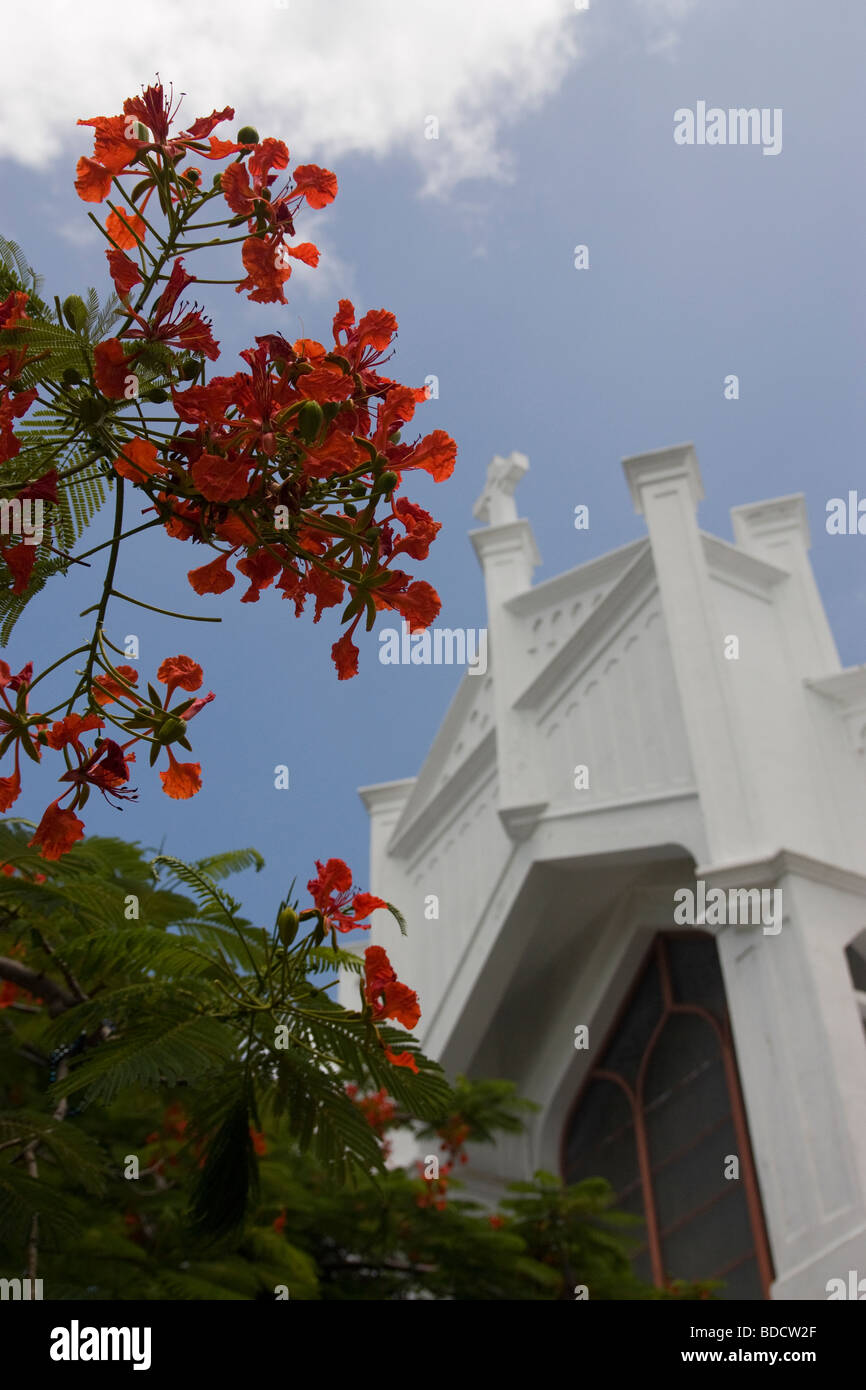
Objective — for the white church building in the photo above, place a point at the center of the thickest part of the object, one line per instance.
(644, 831)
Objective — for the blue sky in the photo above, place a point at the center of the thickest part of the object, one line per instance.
(556, 129)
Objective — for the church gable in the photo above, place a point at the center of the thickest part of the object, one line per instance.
(550, 617)
(611, 728)
(551, 613)
(467, 726)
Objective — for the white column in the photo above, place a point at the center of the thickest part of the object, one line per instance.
(666, 488)
(507, 552)
(778, 531)
(802, 1059)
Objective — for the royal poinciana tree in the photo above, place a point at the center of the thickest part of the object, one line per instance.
(185, 1113)
(288, 473)
(185, 1110)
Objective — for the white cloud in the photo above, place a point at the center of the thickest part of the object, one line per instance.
(332, 77)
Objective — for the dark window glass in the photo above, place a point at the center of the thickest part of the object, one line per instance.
(677, 1095)
(601, 1142)
(629, 1043)
(695, 973)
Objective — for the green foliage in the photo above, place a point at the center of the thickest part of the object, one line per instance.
(257, 1167)
(17, 274)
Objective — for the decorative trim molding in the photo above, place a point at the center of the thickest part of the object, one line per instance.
(520, 821)
(447, 801)
(576, 581)
(758, 523)
(382, 797)
(741, 569)
(847, 688)
(660, 466)
(604, 622)
(766, 871)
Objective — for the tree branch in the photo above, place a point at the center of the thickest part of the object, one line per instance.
(67, 974)
(56, 997)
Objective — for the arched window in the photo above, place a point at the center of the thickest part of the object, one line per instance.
(661, 1117)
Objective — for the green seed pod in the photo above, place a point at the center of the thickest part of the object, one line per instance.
(74, 312)
(287, 925)
(170, 729)
(310, 419)
(248, 135)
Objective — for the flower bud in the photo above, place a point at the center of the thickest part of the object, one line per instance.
(287, 925)
(71, 377)
(310, 418)
(248, 135)
(170, 729)
(387, 482)
(74, 312)
(156, 395)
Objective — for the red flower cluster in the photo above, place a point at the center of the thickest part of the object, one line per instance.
(284, 465)
(332, 893)
(378, 1110)
(388, 998)
(342, 908)
(10, 993)
(105, 766)
(453, 1135)
(15, 401)
(288, 471)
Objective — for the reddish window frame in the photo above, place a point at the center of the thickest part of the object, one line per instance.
(635, 1098)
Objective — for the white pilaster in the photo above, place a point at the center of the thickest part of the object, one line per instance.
(507, 553)
(802, 1058)
(666, 488)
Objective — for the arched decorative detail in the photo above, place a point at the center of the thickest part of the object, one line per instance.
(661, 1114)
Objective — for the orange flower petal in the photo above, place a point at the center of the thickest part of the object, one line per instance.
(139, 461)
(219, 479)
(402, 1059)
(10, 790)
(182, 780)
(436, 454)
(345, 657)
(319, 186)
(111, 368)
(180, 671)
(213, 578)
(70, 729)
(93, 183)
(57, 832)
(107, 688)
(125, 230)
